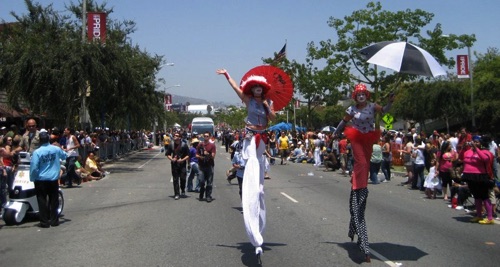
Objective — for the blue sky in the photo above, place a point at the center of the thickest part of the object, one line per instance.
(200, 36)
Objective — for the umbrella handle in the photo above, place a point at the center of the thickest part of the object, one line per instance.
(391, 92)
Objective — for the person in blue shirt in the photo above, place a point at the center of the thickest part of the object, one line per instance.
(193, 167)
(44, 172)
(239, 164)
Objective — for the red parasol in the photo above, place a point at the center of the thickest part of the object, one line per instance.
(281, 91)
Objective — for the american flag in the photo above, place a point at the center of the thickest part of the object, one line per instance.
(281, 54)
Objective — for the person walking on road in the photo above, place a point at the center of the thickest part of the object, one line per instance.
(205, 152)
(283, 144)
(193, 167)
(386, 158)
(343, 154)
(178, 154)
(44, 172)
(71, 149)
(362, 135)
(259, 111)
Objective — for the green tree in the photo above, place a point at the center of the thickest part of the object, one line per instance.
(371, 25)
(232, 116)
(344, 66)
(47, 67)
(314, 86)
(421, 101)
(487, 90)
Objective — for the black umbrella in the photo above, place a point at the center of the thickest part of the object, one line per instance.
(402, 57)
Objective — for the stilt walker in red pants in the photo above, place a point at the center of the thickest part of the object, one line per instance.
(362, 134)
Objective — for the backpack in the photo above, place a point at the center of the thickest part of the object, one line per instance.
(166, 140)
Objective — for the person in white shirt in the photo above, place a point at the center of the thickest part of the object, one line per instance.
(418, 165)
(454, 142)
(398, 140)
(71, 149)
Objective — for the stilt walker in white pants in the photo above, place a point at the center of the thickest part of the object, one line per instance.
(254, 207)
(259, 111)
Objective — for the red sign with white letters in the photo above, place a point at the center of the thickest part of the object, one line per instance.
(96, 26)
(463, 66)
(168, 102)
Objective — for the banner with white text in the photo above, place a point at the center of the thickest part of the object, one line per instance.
(96, 27)
(463, 66)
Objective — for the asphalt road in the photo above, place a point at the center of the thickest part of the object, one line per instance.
(131, 219)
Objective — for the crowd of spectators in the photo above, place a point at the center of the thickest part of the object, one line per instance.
(415, 152)
(93, 150)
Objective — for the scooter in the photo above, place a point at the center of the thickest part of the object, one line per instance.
(22, 196)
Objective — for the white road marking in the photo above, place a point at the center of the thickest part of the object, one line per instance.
(289, 197)
(140, 167)
(384, 259)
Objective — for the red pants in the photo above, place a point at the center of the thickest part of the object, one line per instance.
(362, 148)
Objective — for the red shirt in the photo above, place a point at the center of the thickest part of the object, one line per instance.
(477, 162)
(209, 160)
(343, 146)
(445, 163)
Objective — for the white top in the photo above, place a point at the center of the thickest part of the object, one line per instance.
(71, 144)
(419, 159)
(493, 148)
(454, 143)
(398, 140)
(362, 119)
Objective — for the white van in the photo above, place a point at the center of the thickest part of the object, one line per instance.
(199, 125)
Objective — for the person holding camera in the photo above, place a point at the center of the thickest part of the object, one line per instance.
(479, 177)
(205, 152)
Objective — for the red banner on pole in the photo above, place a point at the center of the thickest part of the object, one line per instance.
(96, 26)
(168, 102)
(463, 66)
(297, 103)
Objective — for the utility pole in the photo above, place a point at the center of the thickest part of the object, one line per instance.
(84, 18)
(471, 88)
(83, 94)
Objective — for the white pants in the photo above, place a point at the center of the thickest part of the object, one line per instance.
(317, 158)
(254, 208)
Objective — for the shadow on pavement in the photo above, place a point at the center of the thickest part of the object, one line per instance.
(249, 258)
(393, 252)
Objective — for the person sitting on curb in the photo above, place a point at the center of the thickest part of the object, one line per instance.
(330, 161)
(82, 172)
(91, 166)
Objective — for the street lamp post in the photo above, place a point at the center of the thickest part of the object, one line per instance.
(167, 64)
(471, 88)
(469, 61)
(154, 126)
(164, 100)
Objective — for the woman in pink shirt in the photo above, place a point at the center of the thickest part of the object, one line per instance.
(478, 175)
(445, 157)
